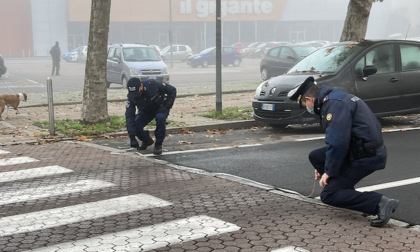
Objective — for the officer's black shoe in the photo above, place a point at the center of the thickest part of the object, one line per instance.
(145, 144)
(158, 149)
(385, 209)
(133, 142)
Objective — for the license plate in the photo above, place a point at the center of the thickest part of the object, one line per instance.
(267, 106)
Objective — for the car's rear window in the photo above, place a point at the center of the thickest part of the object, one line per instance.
(327, 59)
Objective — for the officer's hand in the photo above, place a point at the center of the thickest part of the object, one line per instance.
(317, 175)
(324, 180)
(163, 109)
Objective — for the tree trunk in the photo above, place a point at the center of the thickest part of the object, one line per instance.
(94, 104)
(356, 22)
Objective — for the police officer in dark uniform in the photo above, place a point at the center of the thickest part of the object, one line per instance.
(152, 99)
(354, 149)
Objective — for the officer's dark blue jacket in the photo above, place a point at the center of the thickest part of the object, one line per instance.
(157, 97)
(346, 118)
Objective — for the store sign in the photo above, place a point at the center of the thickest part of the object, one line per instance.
(182, 10)
(205, 8)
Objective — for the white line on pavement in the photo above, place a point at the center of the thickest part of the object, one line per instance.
(9, 195)
(151, 237)
(389, 185)
(290, 249)
(207, 149)
(4, 152)
(16, 160)
(30, 222)
(32, 173)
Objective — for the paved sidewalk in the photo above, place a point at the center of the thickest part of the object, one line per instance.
(86, 204)
(184, 209)
(67, 105)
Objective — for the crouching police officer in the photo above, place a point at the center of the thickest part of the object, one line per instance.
(354, 149)
(153, 100)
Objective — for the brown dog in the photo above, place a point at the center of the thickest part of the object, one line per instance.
(8, 100)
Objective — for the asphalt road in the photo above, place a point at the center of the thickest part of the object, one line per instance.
(30, 75)
(285, 165)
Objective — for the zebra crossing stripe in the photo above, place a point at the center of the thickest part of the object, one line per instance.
(150, 237)
(71, 214)
(16, 160)
(290, 249)
(33, 173)
(4, 152)
(9, 195)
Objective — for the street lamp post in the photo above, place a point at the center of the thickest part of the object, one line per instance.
(218, 57)
(170, 32)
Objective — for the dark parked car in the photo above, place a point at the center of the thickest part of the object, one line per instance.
(230, 56)
(281, 58)
(261, 49)
(384, 73)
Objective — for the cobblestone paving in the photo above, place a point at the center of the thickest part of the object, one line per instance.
(129, 203)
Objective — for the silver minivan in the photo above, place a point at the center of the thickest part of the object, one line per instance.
(134, 60)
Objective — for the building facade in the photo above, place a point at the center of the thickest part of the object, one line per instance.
(33, 26)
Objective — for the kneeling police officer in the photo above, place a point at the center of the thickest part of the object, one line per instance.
(354, 149)
(152, 99)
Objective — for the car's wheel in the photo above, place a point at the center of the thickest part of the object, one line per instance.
(124, 82)
(236, 62)
(205, 63)
(264, 74)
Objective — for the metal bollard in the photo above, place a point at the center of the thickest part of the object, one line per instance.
(50, 105)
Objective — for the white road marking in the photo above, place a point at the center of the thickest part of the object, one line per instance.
(389, 185)
(310, 139)
(201, 150)
(9, 195)
(151, 237)
(33, 173)
(16, 160)
(290, 249)
(30, 222)
(4, 152)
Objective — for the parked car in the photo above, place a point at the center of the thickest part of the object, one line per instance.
(384, 73)
(261, 49)
(134, 60)
(72, 55)
(245, 51)
(230, 56)
(82, 54)
(281, 58)
(240, 45)
(157, 48)
(179, 52)
(3, 68)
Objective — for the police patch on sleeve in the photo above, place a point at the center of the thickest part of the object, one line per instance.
(329, 117)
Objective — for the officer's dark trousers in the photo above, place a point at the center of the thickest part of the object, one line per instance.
(143, 119)
(340, 190)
